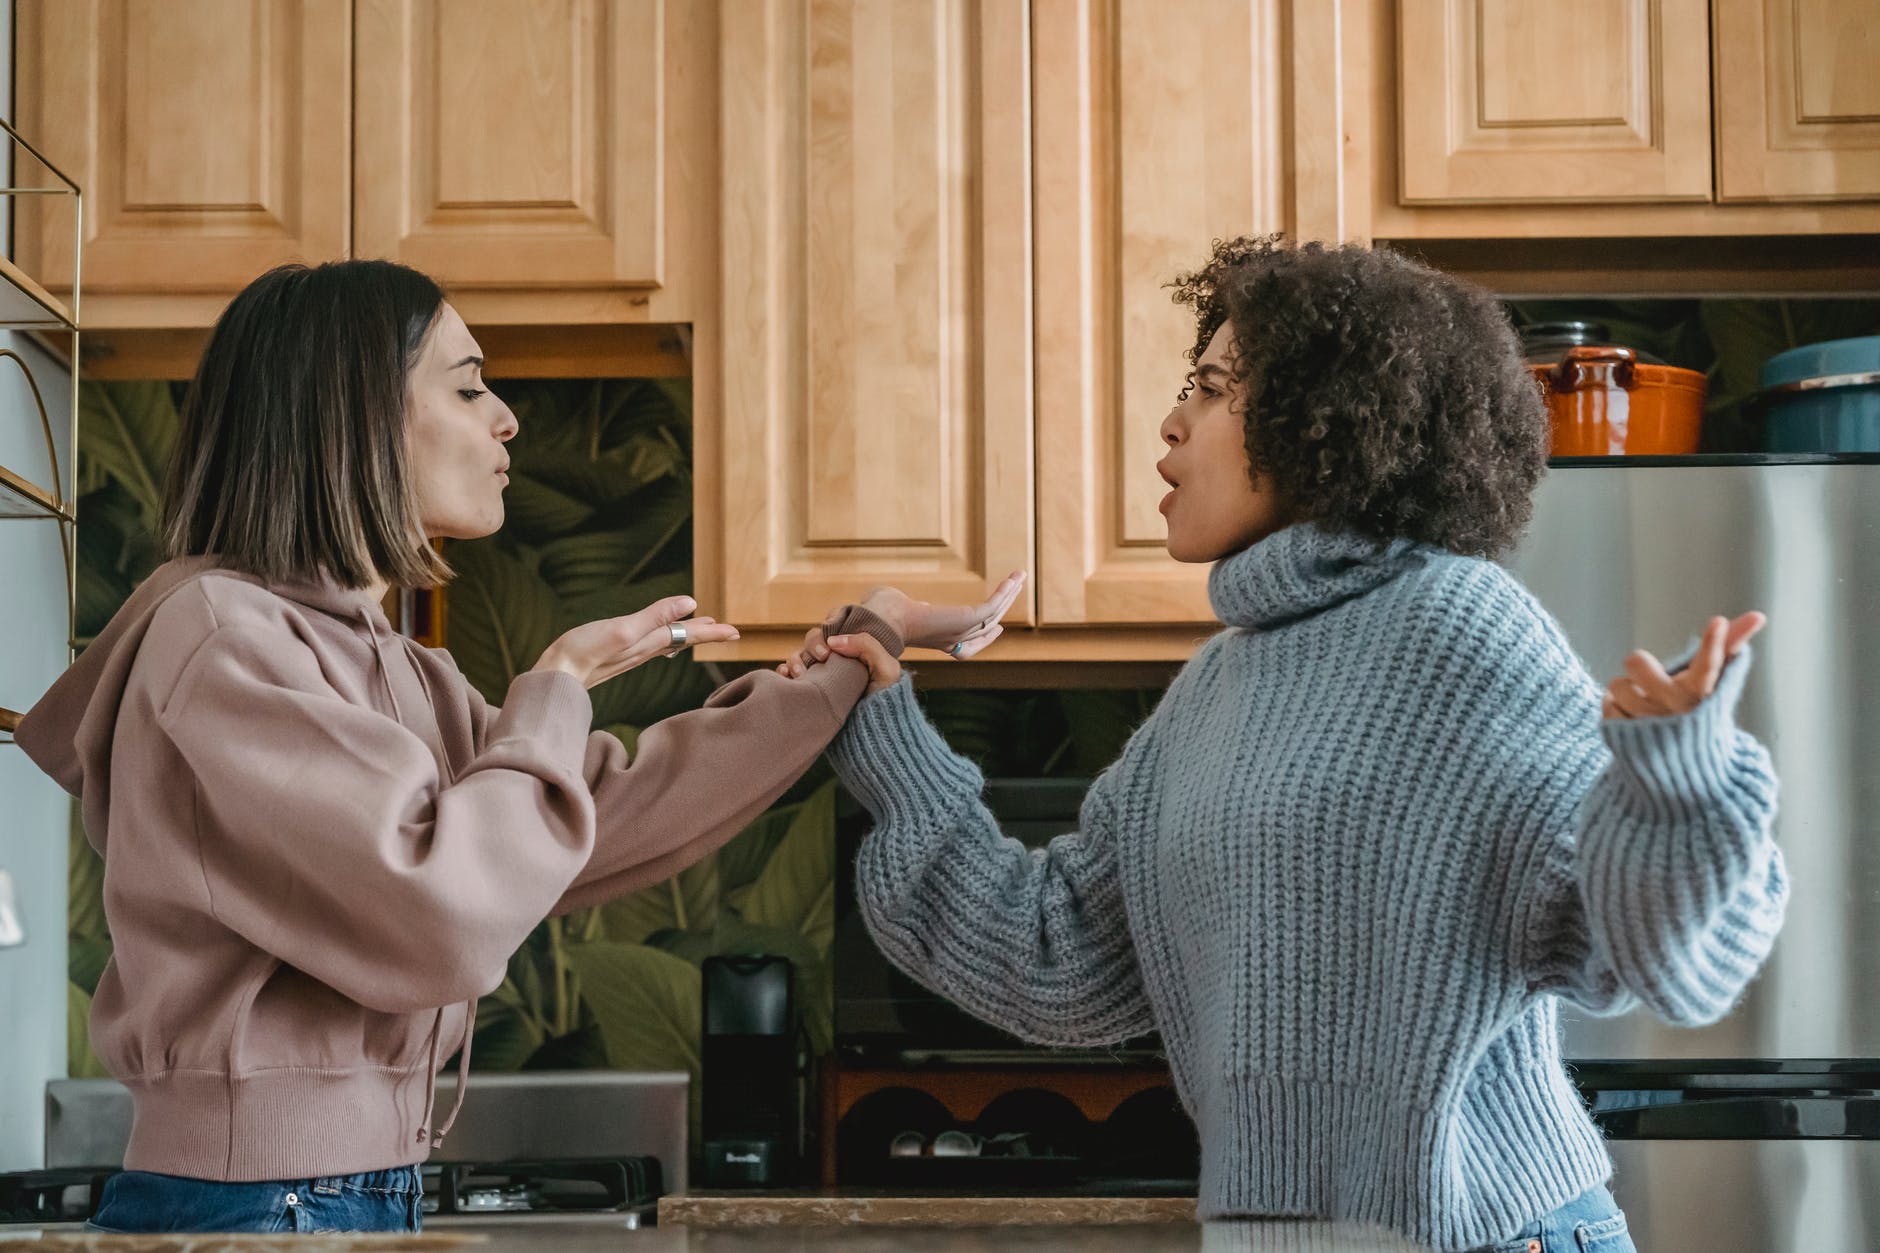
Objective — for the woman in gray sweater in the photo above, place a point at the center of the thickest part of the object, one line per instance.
(1384, 821)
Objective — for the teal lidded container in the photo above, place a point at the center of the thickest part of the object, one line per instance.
(1823, 397)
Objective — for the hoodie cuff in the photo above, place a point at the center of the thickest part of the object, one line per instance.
(896, 763)
(549, 707)
(855, 620)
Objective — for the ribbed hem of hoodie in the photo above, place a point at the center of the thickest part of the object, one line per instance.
(1268, 1145)
(295, 1123)
(855, 620)
(896, 764)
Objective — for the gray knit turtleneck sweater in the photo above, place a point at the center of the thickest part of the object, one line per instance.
(1375, 828)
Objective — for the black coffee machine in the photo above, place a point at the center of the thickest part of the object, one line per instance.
(754, 1072)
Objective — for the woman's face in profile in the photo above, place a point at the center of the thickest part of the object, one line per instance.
(1215, 506)
(457, 429)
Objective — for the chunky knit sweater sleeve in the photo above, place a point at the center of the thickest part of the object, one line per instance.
(1660, 882)
(1035, 941)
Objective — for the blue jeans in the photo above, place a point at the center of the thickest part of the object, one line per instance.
(1590, 1223)
(380, 1200)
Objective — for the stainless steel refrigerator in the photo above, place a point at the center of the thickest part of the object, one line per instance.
(1760, 1133)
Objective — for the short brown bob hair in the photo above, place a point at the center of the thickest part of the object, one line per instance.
(292, 459)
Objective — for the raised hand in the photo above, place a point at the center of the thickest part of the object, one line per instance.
(1645, 690)
(957, 630)
(597, 651)
(960, 631)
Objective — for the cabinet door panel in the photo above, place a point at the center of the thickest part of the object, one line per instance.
(210, 137)
(513, 143)
(1798, 99)
(1149, 147)
(876, 302)
(1506, 101)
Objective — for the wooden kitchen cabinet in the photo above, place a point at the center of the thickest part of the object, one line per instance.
(1786, 134)
(894, 175)
(875, 422)
(1501, 119)
(544, 161)
(1146, 152)
(211, 138)
(1508, 101)
(550, 163)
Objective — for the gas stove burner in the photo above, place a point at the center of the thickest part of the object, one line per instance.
(517, 1197)
(549, 1187)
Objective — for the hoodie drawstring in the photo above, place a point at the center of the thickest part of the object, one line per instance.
(470, 1007)
(463, 1073)
(463, 1076)
(430, 1079)
(385, 671)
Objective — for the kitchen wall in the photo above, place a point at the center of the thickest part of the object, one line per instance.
(34, 813)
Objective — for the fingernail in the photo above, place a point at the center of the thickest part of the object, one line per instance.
(837, 641)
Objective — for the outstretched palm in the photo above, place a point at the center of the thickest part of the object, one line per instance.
(958, 630)
(1646, 690)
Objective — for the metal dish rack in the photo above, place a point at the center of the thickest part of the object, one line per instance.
(27, 306)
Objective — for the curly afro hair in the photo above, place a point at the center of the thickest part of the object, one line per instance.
(1382, 397)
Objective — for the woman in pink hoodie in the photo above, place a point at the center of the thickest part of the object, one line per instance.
(321, 845)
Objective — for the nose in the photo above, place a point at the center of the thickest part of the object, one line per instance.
(506, 426)
(1171, 427)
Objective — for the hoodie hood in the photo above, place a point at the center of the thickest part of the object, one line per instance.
(69, 732)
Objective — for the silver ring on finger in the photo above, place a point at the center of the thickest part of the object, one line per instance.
(677, 631)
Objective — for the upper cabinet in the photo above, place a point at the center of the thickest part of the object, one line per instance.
(211, 140)
(1508, 101)
(1515, 118)
(1785, 133)
(948, 338)
(513, 146)
(543, 160)
(1146, 151)
(876, 306)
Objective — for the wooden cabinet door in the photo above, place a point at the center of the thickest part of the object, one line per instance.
(210, 138)
(1786, 134)
(514, 144)
(1511, 101)
(876, 391)
(1160, 128)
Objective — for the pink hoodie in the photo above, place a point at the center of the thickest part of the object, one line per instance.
(321, 846)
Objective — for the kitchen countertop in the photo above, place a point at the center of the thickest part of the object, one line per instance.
(827, 1209)
(590, 1236)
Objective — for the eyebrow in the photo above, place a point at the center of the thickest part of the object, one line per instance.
(1215, 371)
(475, 361)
